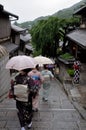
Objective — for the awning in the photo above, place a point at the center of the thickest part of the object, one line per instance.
(80, 11)
(11, 47)
(79, 37)
(29, 47)
(17, 28)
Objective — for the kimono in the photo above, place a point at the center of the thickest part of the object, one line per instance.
(76, 67)
(48, 76)
(37, 77)
(24, 108)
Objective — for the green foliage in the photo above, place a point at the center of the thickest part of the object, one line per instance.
(36, 53)
(70, 72)
(46, 35)
(47, 31)
(67, 13)
(66, 56)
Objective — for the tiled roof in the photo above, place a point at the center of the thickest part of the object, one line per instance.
(79, 37)
(25, 38)
(10, 47)
(17, 28)
(29, 47)
(7, 13)
(80, 11)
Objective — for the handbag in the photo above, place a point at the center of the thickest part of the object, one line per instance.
(11, 93)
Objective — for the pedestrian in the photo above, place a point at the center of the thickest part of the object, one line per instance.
(76, 67)
(51, 68)
(48, 76)
(24, 107)
(35, 74)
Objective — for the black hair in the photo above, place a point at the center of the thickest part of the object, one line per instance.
(27, 70)
(37, 66)
(45, 66)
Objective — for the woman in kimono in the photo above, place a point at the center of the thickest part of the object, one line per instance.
(35, 74)
(76, 67)
(48, 76)
(24, 108)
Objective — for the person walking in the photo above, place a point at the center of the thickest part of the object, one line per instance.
(48, 76)
(24, 107)
(35, 74)
(76, 67)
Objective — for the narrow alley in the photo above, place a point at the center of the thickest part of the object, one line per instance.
(56, 114)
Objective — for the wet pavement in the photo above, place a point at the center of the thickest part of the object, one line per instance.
(57, 114)
(76, 92)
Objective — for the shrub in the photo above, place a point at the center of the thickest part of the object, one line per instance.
(70, 72)
(66, 56)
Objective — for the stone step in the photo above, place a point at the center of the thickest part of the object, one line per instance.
(75, 92)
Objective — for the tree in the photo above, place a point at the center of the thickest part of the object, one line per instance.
(46, 35)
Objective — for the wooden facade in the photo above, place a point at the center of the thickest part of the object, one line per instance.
(82, 14)
(7, 49)
(15, 37)
(77, 39)
(5, 30)
(15, 34)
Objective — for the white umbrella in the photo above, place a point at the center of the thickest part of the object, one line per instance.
(20, 62)
(43, 60)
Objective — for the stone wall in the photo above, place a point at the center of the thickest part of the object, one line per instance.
(63, 75)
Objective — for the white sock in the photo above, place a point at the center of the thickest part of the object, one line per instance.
(22, 128)
(30, 124)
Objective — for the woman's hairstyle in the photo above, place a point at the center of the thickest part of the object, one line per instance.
(27, 70)
(45, 67)
(37, 66)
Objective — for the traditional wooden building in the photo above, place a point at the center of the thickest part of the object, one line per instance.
(7, 48)
(81, 12)
(25, 43)
(29, 49)
(16, 31)
(5, 30)
(76, 40)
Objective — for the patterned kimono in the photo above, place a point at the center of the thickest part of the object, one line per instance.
(76, 67)
(37, 77)
(24, 108)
